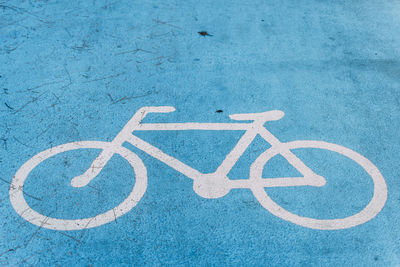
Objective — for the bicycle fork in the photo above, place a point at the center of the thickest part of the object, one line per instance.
(107, 153)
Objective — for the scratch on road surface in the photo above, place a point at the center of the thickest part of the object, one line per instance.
(104, 78)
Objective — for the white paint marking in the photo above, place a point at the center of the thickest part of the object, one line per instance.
(210, 185)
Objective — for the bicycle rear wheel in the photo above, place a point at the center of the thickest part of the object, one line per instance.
(370, 211)
(25, 211)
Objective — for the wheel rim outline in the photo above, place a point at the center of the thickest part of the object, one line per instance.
(375, 205)
(24, 210)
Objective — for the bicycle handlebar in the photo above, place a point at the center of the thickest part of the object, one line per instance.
(162, 109)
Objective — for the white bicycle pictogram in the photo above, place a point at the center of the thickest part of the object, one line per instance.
(207, 185)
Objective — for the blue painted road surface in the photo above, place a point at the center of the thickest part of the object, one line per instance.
(118, 145)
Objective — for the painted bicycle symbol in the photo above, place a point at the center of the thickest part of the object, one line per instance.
(207, 185)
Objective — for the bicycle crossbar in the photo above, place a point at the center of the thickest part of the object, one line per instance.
(193, 126)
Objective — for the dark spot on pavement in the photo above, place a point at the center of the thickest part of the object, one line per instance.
(376, 258)
(219, 111)
(204, 33)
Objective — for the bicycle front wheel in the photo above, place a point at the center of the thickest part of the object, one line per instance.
(24, 210)
(370, 211)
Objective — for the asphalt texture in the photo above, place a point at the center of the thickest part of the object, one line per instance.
(79, 70)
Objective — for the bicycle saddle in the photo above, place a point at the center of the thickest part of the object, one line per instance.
(272, 115)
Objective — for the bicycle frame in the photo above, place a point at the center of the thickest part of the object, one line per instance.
(209, 185)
